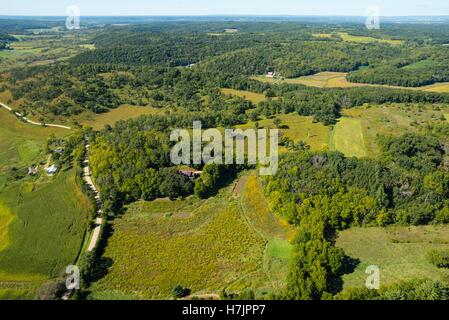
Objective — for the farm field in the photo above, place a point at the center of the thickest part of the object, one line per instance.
(362, 39)
(399, 252)
(347, 137)
(205, 245)
(124, 112)
(338, 80)
(298, 128)
(393, 119)
(42, 220)
(248, 95)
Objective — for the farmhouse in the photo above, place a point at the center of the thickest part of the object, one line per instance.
(271, 74)
(52, 170)
(32, 171)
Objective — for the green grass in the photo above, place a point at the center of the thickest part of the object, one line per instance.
(124, 112)
(298, 128)
(348, 138)
(423, 64)
(393, 119)
(42, 219)
(205, 245)
(255, 98)
(399, 252)
(361, 39)
(447, 116)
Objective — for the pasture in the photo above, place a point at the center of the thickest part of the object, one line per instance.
(338, 80)
(347, 137)
(124, 112)
(399, 252)
(205, 245)
(298, 128)
(393, 119)
(346, 37)
(254, 97)
(42, 219)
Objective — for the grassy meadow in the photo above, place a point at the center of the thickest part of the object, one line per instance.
(42, 219)
(205, 245)
(298, 128)
(124, 112)
(248, 95)
(338, 80)
(347, 137)
(399, 252)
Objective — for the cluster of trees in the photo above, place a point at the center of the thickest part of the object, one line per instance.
(5, 40)
(323, 193)
(417, 289)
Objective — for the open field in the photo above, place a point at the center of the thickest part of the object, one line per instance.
(361, 39)
(22, 144)
(338, 80)
(124, 112)
(399, 252)
(298, 128)
(393, 119)
(42, 220)
(205, 245)
(347, 138)
(46, 228)
(248, 95)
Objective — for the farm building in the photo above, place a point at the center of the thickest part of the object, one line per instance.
(52, 170)
(271, 74)
(190, 173)
(32, 171)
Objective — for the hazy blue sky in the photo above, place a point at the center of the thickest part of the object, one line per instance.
(204, 7)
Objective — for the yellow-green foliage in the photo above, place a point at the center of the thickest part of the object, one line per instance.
(124, 112)
(248, 95)
(399, 252)
(298, 128)
(205, 245)
(348, 138)
(361, 39)
(48, 226)
(393, 119)
(42, 220)
(5, 219)
(447, 116)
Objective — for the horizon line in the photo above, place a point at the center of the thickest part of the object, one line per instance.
(227, 15)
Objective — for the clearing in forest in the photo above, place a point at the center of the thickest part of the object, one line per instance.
(254, 97)
(204, 245)
(348, 138)
(399, 252)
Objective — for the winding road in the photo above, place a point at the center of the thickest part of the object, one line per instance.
(88, 179)
(33, 122)
(86, 176)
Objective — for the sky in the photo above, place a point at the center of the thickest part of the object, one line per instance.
(224, 7)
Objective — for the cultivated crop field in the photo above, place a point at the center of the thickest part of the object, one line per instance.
(42, 219)
(206, 245)
(399, 252)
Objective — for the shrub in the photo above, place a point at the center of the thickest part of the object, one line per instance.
(438, 258)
